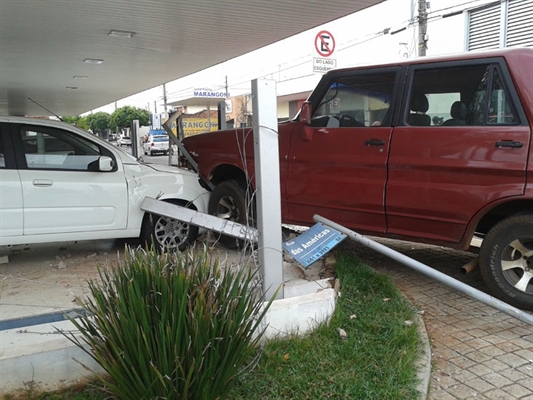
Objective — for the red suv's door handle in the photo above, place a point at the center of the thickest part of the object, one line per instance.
(374, 142)
(509, 143)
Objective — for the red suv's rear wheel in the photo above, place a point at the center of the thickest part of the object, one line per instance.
(506, 260)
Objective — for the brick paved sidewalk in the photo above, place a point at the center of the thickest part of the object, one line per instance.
(477, 351)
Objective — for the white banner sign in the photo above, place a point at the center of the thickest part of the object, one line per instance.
(323, 64)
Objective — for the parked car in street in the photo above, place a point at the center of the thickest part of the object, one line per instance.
(123, 140)
(433, 150)
(59, 183)
(156, 144)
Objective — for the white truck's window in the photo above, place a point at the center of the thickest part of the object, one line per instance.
(46, 148)
(2, 157)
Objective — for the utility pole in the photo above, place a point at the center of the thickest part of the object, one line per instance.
(422, 27)
(165, 97)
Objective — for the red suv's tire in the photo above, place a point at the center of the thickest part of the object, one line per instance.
(506, 260)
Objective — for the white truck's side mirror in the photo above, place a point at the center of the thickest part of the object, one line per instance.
(105, 164)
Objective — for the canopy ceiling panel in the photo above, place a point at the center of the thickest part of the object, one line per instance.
(43, 44)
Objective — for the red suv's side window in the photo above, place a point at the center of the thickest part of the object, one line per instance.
(471, 95)
(500, 110)
(357, 101)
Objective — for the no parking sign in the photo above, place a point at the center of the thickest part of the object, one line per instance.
(324, 43)
(324, 46)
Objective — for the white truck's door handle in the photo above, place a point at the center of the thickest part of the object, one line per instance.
(42, 182)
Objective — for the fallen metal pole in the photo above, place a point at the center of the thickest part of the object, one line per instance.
(432, 273)
(193, 217)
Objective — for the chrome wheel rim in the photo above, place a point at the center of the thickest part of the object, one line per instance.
(171, 233)
(517, 264)
(228, 209)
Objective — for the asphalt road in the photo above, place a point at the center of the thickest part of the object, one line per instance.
(156, 159)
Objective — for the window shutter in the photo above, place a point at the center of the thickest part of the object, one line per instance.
(520, 23)
(484, 27)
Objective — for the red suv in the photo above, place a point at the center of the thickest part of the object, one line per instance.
(432, 150)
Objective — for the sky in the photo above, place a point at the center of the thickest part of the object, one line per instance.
(360, 38)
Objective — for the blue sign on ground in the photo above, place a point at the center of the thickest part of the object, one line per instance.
(313, 244)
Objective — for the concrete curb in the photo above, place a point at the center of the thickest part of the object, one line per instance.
(423, 365)
(299, 315)
(40, 358)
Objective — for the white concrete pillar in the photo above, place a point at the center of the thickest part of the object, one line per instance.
(266, 150)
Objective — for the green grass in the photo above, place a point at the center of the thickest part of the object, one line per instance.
(375, 361)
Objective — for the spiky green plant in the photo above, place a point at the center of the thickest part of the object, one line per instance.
(170, 326)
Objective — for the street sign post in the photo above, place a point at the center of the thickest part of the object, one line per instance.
(324, 46)
(324, 43)
(323, 64)
(313, 244)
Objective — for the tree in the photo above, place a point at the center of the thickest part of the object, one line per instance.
(99, 121)
(80, 122)
(122, 117)
(70, 120)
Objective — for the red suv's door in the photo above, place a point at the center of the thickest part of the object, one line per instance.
(340, 174)
(473, 153)
(337, 166)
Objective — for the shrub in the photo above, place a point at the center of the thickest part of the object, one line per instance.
(172, 325)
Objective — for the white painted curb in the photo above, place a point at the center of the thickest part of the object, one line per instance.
(40, 358)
